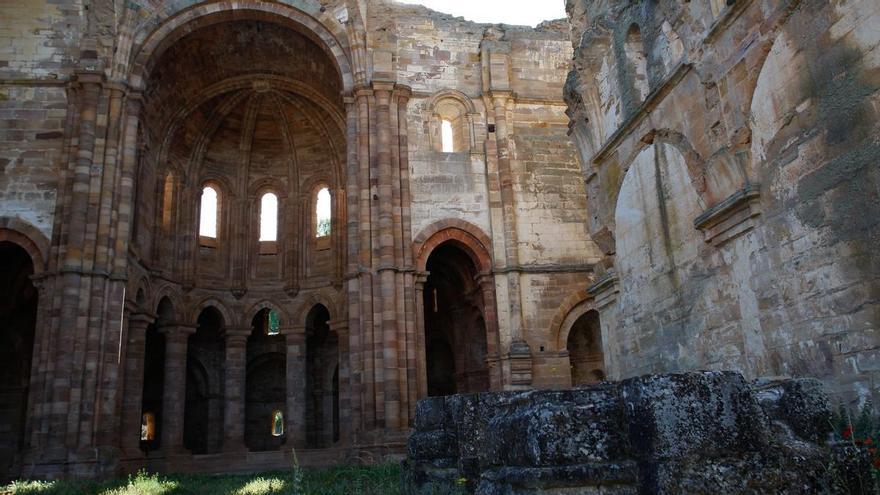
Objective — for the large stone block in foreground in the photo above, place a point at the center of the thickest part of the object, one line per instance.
(700, 432)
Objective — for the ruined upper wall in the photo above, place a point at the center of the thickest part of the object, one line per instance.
(430, 50)
(725, 149)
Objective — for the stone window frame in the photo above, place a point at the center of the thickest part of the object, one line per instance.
(205, 241)
(456, 108)
(321, 243)
(268, 247)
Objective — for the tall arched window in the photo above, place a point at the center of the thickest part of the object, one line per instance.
(269, 217)
(167, 198)
(322, 213)
(208, 220)
(446, 136)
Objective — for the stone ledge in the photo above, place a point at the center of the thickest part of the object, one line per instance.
(730, 218)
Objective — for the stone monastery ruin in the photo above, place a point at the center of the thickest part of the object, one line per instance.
(232, 228)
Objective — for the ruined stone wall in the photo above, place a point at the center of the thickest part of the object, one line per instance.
(735, 200)
(39, 42)
(459, 68)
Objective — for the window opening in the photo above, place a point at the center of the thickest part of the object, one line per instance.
(277, 423)
(272, 323)
(167, 196)
(269, 217)
(322, 210)
(148, 427)
(208, 220)
(446, 136)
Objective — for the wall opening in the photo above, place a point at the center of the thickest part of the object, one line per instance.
(265, 384)
(455, 329)
(637, 62)
(210, 206)
(323, 213)
(269, 217)
(18, 314)
(322, 381)
(167, 200)
(446, 136)
(585, 350)
(154, 376)
(205, 364)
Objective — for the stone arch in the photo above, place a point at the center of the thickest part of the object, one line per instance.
(147, 45)
(141, 293)
(29, 238)
(464, 234)
(267, 304)
(212, 302)
(265, 185)
(170, 292)
(325, 297)
(452, 94)
(572, 306)
(696, 166)
(726, 172)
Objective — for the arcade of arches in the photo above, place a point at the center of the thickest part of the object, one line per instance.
(233, 229)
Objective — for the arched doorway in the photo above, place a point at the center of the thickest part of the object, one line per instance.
(18, 316)
(455, 329)
(154, 378)
(322, 379)
(266, 386)
(205, 364)
(584, 346)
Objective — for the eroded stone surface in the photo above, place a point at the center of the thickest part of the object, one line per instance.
(679, 433)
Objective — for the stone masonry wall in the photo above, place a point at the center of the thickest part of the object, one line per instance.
(446, 59)
(709, 432)
(735, 202)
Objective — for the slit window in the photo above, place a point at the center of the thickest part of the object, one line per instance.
(277, 423)
(322, 213)
(269, 217)
(208, 219)
(167, 195)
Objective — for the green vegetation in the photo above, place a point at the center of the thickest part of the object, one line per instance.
(344, 480)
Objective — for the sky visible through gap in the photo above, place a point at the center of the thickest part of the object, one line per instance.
(517, 12)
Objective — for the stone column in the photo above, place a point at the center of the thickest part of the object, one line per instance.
(519, 353)
(421, 365)
(134, 384)
(486, 282)
(341, 329)
(387, 295)
(174, 397)
(295, 417)
(236, 389)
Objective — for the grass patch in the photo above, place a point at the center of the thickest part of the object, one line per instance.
(382, 479)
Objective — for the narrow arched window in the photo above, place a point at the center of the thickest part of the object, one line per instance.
(167, 198)
(277, 423)
(208, 220)
(269, 217)
(447, 136)
(322, 213)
